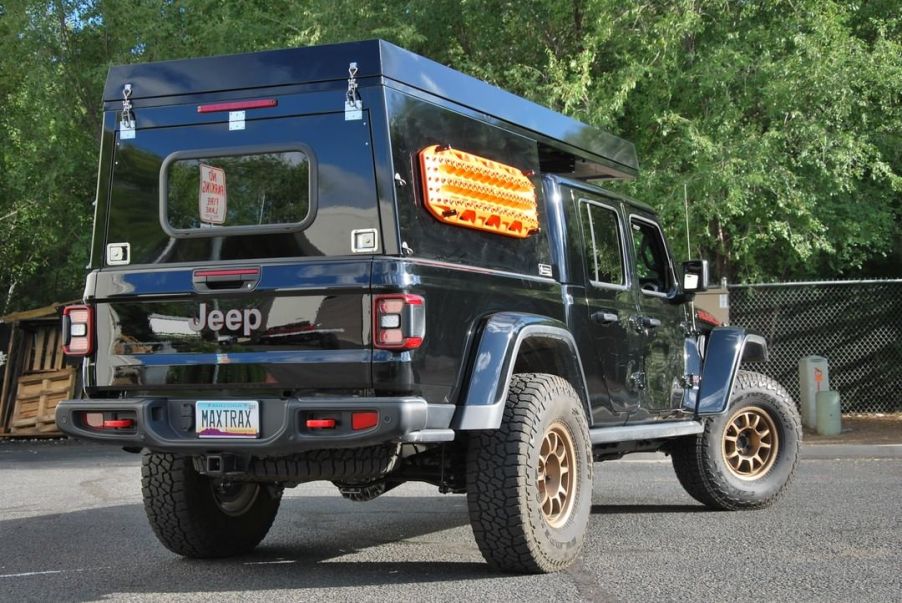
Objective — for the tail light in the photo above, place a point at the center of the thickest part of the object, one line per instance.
(78, 330)
(321, 423)
(115, 420)
(707, 318)
(364, 419)
(260, 103)
(399, 321)
(118, 423)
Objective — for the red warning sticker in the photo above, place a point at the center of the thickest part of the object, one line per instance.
(213, 197)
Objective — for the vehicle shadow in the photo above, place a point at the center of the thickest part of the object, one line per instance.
(653, 509)
(316, 542)
(54, 452)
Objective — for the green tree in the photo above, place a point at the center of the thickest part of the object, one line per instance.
(54, 56)
(782, 119)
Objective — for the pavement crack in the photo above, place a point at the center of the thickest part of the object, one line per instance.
(95, 489)
(586, 586)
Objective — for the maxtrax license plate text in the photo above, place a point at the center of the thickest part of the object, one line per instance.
(221, 419)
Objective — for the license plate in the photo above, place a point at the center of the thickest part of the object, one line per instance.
(227, 419)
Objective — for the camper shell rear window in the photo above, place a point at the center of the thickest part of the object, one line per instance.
(237, 190)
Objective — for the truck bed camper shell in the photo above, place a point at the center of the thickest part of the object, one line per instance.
(567, 147)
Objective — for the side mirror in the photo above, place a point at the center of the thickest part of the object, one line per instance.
(695, 276)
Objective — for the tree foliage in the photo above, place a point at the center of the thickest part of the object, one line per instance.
(781, 120)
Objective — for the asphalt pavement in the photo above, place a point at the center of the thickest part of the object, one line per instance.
(72, 527)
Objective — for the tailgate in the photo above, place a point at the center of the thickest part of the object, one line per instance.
(287, 326)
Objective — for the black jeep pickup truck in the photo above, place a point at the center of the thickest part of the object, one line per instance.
(350, 263)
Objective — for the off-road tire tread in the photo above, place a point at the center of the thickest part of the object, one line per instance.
(168, 482)
(699, 478)
(495, 474)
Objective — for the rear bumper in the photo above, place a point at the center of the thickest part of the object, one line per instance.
(167, 425)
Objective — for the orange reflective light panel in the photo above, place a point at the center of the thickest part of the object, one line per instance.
(474, 192)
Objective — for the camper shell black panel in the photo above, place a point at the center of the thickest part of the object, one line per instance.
(416, 124)
(367, 178)
(586, 151)
(343, 196)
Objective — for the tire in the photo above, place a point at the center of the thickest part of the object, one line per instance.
(717, 467)
(517, 527)
(196, 516)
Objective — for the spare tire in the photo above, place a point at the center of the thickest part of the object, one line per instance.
(197, 516)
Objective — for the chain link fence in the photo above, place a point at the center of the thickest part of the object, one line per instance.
(856, 325)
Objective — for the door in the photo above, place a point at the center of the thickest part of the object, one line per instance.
(661, 324)
(610, 300)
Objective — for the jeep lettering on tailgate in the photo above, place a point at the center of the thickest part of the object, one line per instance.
(234, 320)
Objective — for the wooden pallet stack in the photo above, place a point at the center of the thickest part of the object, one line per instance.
(36, 401)
(36, 377)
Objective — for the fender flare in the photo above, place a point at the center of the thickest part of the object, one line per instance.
(499, 341)
(727, 348)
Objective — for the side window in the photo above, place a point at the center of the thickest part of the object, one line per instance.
(652, 266)
(603, 249)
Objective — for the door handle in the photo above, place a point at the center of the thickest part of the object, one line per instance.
(641, 324)
(226, 279)
(605, 317)
(649, 323)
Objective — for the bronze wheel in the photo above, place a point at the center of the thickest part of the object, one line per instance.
(529, 482)
(557, 474)
(745, 457)
(750, 443)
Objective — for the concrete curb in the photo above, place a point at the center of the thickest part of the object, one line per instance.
(809, 452)
(851, 451)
